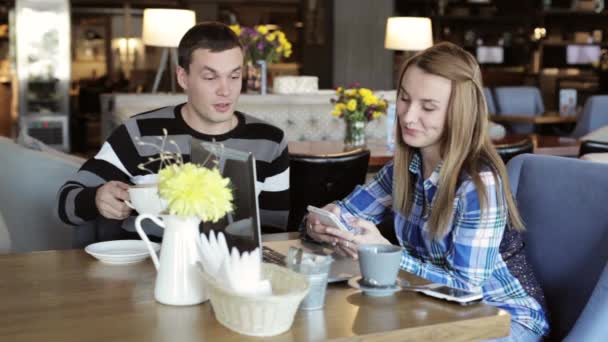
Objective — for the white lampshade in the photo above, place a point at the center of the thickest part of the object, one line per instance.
(166, 27)
(408, 33)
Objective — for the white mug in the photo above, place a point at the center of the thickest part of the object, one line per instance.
(149, 179)
(146, 200)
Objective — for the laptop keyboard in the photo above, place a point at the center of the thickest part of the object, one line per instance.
(271, 256)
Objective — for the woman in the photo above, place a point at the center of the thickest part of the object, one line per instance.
(448, 191)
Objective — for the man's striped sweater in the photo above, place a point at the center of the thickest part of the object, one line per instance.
(120, 155)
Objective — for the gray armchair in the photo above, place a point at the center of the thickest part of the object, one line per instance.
(519, 100)
(28, 188)
(563, 204)
(487, 92)
(594, 116)
(5, 237)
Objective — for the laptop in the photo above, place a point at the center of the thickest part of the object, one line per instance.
(342, 268)
(242, 227)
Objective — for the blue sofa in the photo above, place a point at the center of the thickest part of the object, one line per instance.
(29, 181)
(563, 204)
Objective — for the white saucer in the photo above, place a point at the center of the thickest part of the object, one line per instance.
(357, 283)
(121, 252)
(240, 228)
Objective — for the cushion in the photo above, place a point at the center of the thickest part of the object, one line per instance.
(32, 143)
(295, 84)
(587, 327)
(600, 134)
(596, 157)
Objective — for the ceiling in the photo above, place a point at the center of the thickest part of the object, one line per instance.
(122, 3)
(172, 3)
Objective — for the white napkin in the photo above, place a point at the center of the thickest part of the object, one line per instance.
(241, 273)
(213, 252)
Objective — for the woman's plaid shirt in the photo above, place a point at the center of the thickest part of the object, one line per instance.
(468, 256)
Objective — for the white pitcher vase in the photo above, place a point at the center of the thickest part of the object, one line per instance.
(178, 281)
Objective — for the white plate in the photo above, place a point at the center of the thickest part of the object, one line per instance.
(121, 251)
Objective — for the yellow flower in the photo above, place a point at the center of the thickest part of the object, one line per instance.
(351, 105)
(281, 37)
(376, 115)
(195, 190)
(336, 112)
(271, 37)
(236, 29)
(339, 90)
(364, 92)
(370, 100)
(287, 53)
(261, 29)
(350, 92)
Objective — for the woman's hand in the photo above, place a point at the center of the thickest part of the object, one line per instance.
(348, 242)
(318, 231)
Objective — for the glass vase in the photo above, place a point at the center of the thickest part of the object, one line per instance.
(256, 77)
(354, 136)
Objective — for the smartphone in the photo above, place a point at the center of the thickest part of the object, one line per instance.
(327, 218)
(451, 294)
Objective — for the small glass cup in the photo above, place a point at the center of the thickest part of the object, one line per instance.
(316, 269)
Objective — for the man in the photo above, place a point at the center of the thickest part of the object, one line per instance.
(210, 60)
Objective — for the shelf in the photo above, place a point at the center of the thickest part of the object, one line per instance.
(46, 101)
(566, 43)
(569, 12)
(469, 18)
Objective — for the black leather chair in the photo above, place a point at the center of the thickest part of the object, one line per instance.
(590, 146)
(510, 150)
(318, 180)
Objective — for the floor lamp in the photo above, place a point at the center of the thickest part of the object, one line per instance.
(165, 28)
(407, 34)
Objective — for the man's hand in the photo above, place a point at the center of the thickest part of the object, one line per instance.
(110, 198)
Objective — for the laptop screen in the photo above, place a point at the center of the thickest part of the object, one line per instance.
(242, 226)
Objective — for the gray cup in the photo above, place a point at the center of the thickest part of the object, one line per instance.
(379, 264)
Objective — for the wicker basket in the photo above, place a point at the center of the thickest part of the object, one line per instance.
(260, 315)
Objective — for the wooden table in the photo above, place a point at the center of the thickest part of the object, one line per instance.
(69, 296)
(556, 146)
(544, 144)
(379, 152)
(549, 118)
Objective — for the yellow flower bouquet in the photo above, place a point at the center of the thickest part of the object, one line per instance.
(189, 189)
(262, 43)
(263, 46)
(357, 106)
(194, 190)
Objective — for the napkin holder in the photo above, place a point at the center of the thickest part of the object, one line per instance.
(259, 315)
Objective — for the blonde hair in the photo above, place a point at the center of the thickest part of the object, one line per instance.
(464, 146)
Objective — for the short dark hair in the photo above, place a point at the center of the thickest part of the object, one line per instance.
(213, 36)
